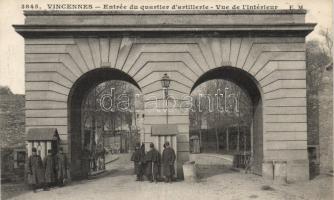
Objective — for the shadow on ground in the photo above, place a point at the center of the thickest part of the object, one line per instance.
(206, 171)
(10, 190)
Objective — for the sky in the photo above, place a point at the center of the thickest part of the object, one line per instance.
(12, 44)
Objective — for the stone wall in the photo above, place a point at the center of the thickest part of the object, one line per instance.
(326, 121)
(12, 120)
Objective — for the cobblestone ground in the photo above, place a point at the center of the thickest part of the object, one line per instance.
(217, 184)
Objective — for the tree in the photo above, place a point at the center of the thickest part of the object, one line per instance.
(108, 106)
(318, 56)
(222, 104)
(5, 90)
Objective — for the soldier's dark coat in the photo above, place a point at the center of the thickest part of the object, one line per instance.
(136, 158)
(35, 170)
(61, 166)
(50, 167)
(167, 161)
(152, 159)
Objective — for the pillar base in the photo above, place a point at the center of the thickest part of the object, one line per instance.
(298, 170)
(292, 171)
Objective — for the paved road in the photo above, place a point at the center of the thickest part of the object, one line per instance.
(216, 184)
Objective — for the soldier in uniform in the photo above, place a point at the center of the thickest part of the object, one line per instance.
(35, 170)
(142, 161)
(152, 159)
(50, 167)
(61, 167)
(168, 159)
(137, 159)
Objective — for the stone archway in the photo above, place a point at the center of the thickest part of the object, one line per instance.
(247, 82)
(79, 90)
(61, 46)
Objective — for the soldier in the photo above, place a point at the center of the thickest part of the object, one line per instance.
(35, 170)
(50, 167)
(142, 161)
(168, 159)
(136, 158)
(61, 167)
(152, 159)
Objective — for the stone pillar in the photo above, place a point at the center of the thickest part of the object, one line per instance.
(284, 120)
(155, 114)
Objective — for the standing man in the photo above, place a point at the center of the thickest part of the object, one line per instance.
(35, 170)
(152, 159)
(136, 158)
(168, 159)
(61, 167)
(142, 161)
(50, 170)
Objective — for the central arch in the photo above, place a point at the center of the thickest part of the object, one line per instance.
(251, 86)
(79, 90)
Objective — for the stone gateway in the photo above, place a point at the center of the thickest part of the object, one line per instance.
(67, 53)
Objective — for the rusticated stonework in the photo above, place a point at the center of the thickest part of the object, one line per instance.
(60, 47)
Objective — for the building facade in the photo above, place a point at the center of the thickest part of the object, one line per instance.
(67, 53)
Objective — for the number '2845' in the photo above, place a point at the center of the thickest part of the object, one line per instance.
(29, 6)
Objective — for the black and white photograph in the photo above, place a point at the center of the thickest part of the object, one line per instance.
(166, 99)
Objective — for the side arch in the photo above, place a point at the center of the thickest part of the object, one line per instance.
(247, 82)
(79, 90)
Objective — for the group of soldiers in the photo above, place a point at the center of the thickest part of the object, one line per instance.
(44, 174)
(151, 163)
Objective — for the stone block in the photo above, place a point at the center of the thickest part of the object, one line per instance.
(283, 136)
(285, 110)
(183, 146)
(297, 170)
(288, 65)
(285, 154)
(182, 157)
(284, 145)
(280, 172)
(46, 113)
(56, 41)
(45, 95)
(46, 121)
(45, 104)
(268, 170)
(290, 102)
(285, 118)
(290, 127)
(183, 138)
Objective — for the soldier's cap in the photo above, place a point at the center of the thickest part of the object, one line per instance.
(151, 145)
(34, 149)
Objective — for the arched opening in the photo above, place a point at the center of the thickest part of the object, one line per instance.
(77, 103)
(232, 122)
